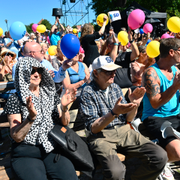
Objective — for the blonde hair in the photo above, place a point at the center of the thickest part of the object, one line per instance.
(86, 29)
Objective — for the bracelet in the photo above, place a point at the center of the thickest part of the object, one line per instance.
(29, 119)
(131, 41)
(116, 44)
(63, 110)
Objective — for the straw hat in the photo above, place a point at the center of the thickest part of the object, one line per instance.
(5, 51)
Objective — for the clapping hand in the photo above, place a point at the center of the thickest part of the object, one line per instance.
(31, 108)
(68, 97)
(137, 95)
(120, 108)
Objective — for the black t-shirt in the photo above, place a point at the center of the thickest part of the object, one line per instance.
(90, 47)
(122, 77)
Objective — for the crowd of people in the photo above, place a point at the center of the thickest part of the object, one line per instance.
(112, 83)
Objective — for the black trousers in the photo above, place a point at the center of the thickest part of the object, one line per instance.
(33, 163)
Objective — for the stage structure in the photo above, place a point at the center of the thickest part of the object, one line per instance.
(75, 12)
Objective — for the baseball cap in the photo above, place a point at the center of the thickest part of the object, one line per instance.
(104, 62)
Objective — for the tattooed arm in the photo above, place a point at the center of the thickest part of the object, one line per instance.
(152, 84)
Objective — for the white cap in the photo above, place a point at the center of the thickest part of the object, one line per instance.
(104, 62)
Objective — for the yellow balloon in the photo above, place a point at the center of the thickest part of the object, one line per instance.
(100, 20)
(41, 28)
(173, 24)
(1, 32)
(152, 49)
(123, 37)
(52, 50)
(75, 31)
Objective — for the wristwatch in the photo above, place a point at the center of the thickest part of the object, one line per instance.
(29, 119)
(114, 115)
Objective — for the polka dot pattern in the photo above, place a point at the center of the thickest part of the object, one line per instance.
(45, 104)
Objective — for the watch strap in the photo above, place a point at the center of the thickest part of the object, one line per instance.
(113, 114)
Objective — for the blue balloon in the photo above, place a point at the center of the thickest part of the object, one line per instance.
(70, 45)
(17, 30)
(141, 31)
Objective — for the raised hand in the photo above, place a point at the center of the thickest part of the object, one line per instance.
(67, 64)
(137, 95)
(120, 108)
(51, 72)
(31, 108)
(68, 97)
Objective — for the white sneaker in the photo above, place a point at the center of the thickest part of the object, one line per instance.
(167, 173)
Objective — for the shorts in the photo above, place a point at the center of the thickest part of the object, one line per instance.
(153, 125)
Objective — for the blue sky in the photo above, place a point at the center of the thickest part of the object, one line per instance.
(33, 11)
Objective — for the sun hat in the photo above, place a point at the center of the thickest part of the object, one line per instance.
(104, 62)
(5, 51)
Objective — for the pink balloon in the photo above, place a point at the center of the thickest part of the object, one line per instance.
(166, 36)
(34, 27)
(48, 39)
(147, 28)
(136, 19)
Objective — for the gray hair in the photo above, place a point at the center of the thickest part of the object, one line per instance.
(98, 71)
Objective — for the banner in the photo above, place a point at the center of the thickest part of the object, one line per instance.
(114, 15)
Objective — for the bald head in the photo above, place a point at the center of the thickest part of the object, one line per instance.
(33, 49)
(30, 46)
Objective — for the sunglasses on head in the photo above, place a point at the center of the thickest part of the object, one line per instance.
(39, 70)
(9, 54)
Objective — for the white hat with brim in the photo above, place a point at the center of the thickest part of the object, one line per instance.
(6, 51)
(104, 62)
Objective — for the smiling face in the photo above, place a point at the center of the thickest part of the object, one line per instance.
(36, 76)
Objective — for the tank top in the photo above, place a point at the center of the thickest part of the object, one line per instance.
(76, 77)
(171, 108)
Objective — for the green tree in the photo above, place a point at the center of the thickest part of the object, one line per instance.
(29, 28)
(171, 7)
(47, 24)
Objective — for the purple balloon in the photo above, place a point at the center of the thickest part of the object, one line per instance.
(34, 27)
(147, 28)
(136, 19)
(70, 45)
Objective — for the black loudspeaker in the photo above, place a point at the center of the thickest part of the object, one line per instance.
(57, 12)
(72, 1)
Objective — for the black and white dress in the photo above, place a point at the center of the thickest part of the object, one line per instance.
(45, 104)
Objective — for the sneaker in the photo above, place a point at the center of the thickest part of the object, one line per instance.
(167, 173)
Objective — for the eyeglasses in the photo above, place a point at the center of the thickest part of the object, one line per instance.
(108, 73)
(39, 70)
(9, 54)
(176, 49)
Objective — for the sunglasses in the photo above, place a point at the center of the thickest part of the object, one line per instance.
(108, 73)
(9, 54)
(39, 70)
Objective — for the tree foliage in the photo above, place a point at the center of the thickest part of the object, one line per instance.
(45, 22)
(171, 7)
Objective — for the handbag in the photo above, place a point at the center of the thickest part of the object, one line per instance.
(74, 147)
